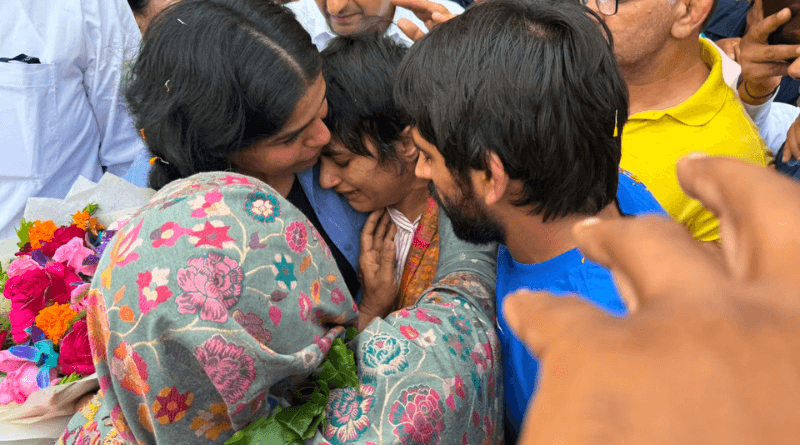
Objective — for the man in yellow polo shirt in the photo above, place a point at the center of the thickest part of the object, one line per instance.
(679, 102)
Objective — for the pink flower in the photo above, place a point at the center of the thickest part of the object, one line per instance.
(305, 306)
(72, 255)
(211, 285)
(62, 236)
(337, 296)
(417, 416)
(254, 325)
(229, 368)
(297, 236)
(20, 379)
(409, 332)
(62, 281)
(151, 296)
(27, 293)
(77, 298)
(75, 353)
(22, 265)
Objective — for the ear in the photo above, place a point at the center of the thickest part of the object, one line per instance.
(406, 148)
(491, 184)
(688, 17)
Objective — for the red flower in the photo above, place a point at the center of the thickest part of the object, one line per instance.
(62, 236)
(27, 294)
(170, 405)
(76, 354)
(63, 280)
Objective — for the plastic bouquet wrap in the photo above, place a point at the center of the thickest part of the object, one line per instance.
(45, 358)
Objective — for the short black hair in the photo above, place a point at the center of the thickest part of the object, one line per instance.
(138, 6)
(359, 71)
(535, 82)
(215, 76)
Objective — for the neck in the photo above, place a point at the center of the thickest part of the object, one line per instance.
(415, 200)
(533, 241)
(281, 184)
(667, 79)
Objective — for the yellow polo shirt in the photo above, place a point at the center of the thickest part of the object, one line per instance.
(712, 121)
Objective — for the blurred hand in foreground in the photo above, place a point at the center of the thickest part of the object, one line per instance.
(711, 350)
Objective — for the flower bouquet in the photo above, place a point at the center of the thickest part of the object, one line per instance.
(44, 337)
(45, 358)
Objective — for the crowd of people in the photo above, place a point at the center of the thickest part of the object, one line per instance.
(550, 221)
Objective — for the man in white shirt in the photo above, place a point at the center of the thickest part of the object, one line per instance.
(61, 112)
(324, 19)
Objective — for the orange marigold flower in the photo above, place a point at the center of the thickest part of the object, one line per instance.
(40, 232)
(55, 320)
(80, 219)
(94, 225)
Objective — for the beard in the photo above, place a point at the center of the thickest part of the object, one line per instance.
(470, 219)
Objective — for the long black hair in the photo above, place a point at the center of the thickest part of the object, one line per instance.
(215, 76)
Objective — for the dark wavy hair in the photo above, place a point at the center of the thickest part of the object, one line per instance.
(138, 6)
(535, 82)
(215, 76)
(359, 72)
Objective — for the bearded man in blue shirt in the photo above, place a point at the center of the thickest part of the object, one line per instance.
(516, 108)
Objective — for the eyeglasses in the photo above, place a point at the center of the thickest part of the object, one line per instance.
(606, 7)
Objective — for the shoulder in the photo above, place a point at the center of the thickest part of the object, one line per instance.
(634, 197)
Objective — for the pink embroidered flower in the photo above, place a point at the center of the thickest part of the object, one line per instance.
(305, 306)
(21, 265)
(229, 368)
(168, 234)
(213, 233)
(409, 332)
(72, 255)
(297, 236)
(121, 424)
(20, 380)
(454, 387)
(129, 369)
(325, 249)
(210, 204)
(422, 315)
(211, 285)
(347, 411)
(234, 180)
(153, 289)
(417, 416)
(324, 342)
(254, 325)
(337, 296)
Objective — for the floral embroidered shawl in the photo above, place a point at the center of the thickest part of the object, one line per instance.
(219, 296)
(422, 258)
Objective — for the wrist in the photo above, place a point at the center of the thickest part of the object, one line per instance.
(756, 93)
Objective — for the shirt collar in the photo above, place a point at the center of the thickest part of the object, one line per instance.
(706, 102)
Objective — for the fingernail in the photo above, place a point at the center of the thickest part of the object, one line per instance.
(696, 155)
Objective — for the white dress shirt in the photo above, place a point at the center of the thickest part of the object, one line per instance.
(65, 117)
(309, 15)
(403, 239)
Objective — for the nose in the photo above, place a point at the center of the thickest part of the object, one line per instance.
(335, 7)
(320, 135)
(328, 173)
(422, 170)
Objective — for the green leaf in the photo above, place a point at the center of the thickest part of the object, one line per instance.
(339, 368)
(74, 377)
(22, 233)
(350, 334)
(302, 419)
(91, 208)
(266, 430)
(3, 278)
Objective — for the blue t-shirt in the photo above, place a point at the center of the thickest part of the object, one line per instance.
(568, 273)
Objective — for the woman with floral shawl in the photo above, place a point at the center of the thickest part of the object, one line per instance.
(219, 296)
